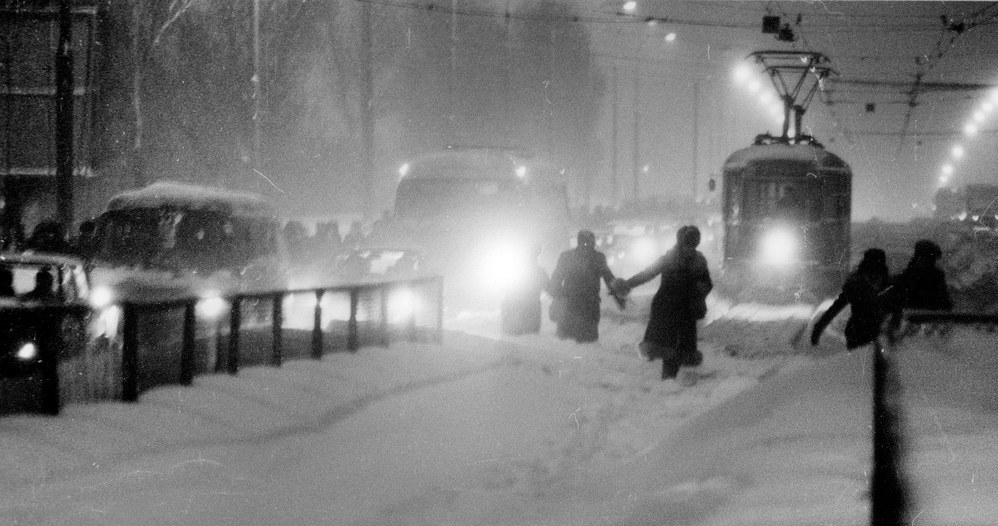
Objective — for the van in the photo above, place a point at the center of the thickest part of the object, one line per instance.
(173, 239)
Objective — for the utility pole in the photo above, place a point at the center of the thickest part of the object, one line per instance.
(256, 97)
(367, 110)
(613, 151)
(636, 160)
(64, 117)
(696, 135)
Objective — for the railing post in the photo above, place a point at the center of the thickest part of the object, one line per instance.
(317, 326)
(187, 352)
(277, 333)
(385, 340)
(219, 347)
(352, 322)
(888, 494)
(130, 353)
(51, 343)
(235, 321)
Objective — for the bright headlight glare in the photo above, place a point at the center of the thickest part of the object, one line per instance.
(101, 297)
(28, 351)
(644, 251)
(402, 304)
(108, 321)
(504, 266)
(779, 247)
(211, 306)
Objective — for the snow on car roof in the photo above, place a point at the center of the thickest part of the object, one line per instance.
(37, 258)
(194, 197)
(779, 151)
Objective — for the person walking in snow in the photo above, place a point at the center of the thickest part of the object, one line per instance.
(862, 292)
(521, 306)
(922, 284)
(671, 334)
(576, 282)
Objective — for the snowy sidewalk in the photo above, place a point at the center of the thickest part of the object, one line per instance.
(259, 402)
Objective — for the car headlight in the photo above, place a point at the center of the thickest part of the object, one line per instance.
(211, 306)
(101, 297)
(27, 351)
(778, 247)
(644, 251)
(402, 304)
(504, 267)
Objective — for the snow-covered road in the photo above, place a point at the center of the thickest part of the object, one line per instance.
(525, 431)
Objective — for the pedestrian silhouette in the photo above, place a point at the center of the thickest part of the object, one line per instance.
(922, 284)
(862, 292)
(521, 305)
(671, 334)
(575, 283)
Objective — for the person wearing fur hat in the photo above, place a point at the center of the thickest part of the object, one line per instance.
(862, 292)
(922, 284)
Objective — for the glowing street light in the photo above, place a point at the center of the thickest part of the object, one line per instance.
(670, 37)
(970, 130)
(979, 116)
(957, 151)
(630, 6)
(947, 169)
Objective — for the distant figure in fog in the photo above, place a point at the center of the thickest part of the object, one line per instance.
(82, 244)
(575, 283)
(48, 236)
(671, 334)
(43, 287)
(922, 284)
(355, 237)
(862, 292)
(521, 307)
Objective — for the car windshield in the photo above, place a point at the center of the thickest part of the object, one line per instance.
(22, 279)
(178, 239)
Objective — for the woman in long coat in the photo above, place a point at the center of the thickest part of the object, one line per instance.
(680, 301)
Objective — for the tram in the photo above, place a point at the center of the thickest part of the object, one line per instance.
(786, 201)
(786, 214)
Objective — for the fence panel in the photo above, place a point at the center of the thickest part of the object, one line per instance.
(171, 342)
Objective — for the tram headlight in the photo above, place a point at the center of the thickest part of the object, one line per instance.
(779, 247)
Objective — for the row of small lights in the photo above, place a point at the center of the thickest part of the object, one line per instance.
(969, 131)
(772, 104)
(630, 7)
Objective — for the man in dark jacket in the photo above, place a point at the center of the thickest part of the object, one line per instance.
(861, 292)
(680, 301)
(922, 285)
(576, 282)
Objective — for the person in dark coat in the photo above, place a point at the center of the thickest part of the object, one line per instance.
(576, 282)
(862, 291)
(922, 285)
(521, 306)
(671, 334)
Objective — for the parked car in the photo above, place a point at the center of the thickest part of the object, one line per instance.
(44, 301)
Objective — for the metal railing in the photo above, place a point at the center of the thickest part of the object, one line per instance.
(150, 354)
